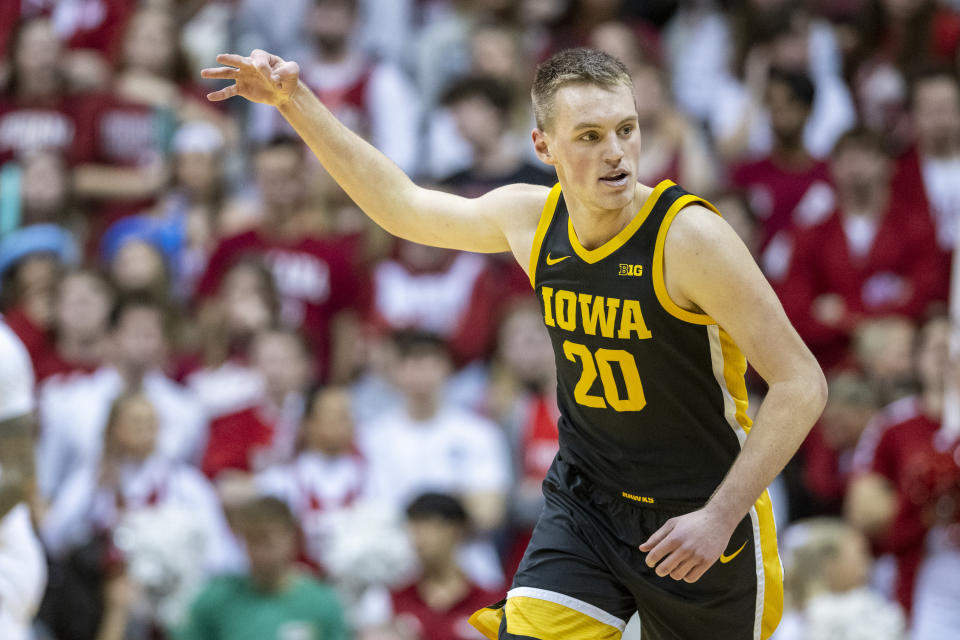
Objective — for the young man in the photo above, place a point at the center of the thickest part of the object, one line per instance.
(656, 475)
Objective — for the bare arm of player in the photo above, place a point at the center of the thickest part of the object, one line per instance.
(502, 220)
(16, 462)
(707, 268)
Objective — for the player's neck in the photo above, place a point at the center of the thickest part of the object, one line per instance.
(595, 227)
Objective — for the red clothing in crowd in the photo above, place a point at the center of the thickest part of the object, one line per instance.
(899, 445)
(451, 624)
(235, 441)
(83, 24)
(826, 471)
(315, 278)
(95, 24)
(902, 272)
(61, 125)
(784, 199)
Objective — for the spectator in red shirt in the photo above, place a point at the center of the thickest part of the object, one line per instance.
(928, 175)
(788, 189)
(35, 112)
(316, 276)
(372, 97)
(887, 499)
(872, 257)
(254, 438)
(438, 605)
(30, 262)
(827, 453)
(221, 373)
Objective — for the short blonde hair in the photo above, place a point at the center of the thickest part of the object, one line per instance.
(588, 66)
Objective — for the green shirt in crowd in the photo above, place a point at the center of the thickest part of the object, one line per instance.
(231, 608)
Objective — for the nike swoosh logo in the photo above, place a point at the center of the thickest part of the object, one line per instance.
(553, 261)
(725, 559)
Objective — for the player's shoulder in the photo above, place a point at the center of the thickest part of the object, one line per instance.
(518, 199)
(697, 231)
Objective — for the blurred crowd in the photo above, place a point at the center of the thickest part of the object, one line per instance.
(260, 416)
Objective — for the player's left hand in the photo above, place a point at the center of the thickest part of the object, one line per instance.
(686, 546)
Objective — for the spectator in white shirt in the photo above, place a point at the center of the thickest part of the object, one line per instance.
(131, 474)
(433, 446)
(74, 410)
(328, 474)
(22, 566)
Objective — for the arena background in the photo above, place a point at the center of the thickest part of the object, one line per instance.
(212, 321)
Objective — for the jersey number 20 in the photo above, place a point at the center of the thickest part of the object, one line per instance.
(601, 361)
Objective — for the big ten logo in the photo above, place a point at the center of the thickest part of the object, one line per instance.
(631, 270)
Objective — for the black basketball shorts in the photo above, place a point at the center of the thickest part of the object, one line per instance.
(583, 576)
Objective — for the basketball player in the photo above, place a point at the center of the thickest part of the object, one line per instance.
(651, 301)
(22, 563)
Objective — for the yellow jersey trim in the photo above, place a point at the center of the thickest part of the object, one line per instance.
(772, 569)
(659, 284)
(591, 256)
(549, 208)
(487, 621)
(734, 372)
(536, 618)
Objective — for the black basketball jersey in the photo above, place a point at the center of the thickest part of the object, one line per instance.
(652, 396)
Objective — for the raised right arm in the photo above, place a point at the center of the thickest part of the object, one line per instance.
(497, 221)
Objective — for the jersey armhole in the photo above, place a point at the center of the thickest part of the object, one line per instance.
(546, 216)
(659, 282)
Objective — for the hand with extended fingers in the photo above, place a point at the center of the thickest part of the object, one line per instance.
(259, 77)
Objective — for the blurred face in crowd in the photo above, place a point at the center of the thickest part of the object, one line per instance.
(860, 173)
(900, 10)
(936, 116)
(134, 430)
(328, 427)
(138, 265)
(279, 172)
(37, 59)
(480, 123)
(523, 345)
(593, 141)
(421, 374)
(791, 49)
(34, 280)
(331, 22)
(280, 359)
(788, 116)
(851, 564)
(495, 51)
(44, 185)
(199, 173)
(435, 541)
(884, 351)
(246, 298)
(82, 306)
(140, 339)
(271, 548)
(650, 93)
(151, 42)
(617, 39)
(933, 354)
(848, 410)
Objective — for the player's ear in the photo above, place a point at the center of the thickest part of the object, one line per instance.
(541, 144)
